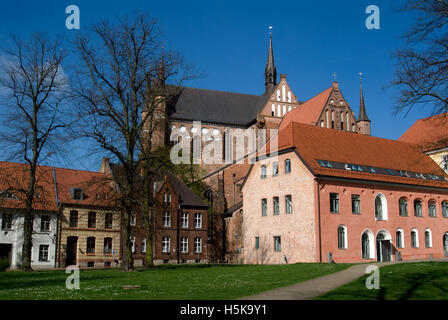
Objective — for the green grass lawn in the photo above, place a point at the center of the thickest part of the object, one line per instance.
(419, 280)
(165, 282)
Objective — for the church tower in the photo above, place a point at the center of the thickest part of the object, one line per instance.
(363, 120)
(270, 73)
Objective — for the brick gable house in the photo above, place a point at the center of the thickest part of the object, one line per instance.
(343, 197)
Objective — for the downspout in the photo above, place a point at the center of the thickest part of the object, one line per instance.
(319, 223)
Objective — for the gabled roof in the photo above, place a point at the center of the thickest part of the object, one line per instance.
(430, 133)
(212, 106)
(15, 176)
(96, 187)
(189, 198)
(314, 143)
(309, 111)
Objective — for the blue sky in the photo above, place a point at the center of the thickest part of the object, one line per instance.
(228, 41)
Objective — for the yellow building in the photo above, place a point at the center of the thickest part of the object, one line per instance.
(89, 224)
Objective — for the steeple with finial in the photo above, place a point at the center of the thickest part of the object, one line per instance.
(270, 73)
(363, 120)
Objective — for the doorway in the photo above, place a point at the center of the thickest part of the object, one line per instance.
(383, 248)
(445, 244)
(5, 251)
(72, 246)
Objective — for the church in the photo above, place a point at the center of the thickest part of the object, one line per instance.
(218, 113)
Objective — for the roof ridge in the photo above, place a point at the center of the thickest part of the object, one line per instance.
(222, 91)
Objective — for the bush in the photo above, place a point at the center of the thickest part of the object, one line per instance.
(4, 264)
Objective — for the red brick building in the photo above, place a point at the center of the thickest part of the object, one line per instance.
(353, 197)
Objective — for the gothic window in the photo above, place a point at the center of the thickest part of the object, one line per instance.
(273, 110)
(403, 207)
(428, 238)
(417, 208)
(399, 238)
(342, 237)
(414, 238)
(445, 209)
(432, 208)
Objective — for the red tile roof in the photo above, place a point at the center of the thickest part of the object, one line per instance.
(430, 133)
(96, 186)
(309, 111)
(14, 177)
(316, 143)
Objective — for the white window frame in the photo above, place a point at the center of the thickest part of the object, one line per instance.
(184, 245)
(184, 220)
(48, 252)
(197, 245)
(198, 220)
(427, 230)
(166, 219)
(166, 244)
(416, 238)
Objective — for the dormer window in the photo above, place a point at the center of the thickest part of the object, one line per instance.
(77, 194)
(7, 195)
(445, 162)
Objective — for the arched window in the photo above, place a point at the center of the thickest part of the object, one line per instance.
(332, 119)
(417, 208)
(284, 109)
(275, 169)
(328, 119)
(414, 238)
(287, 166)
(263, 172)
(432, 208)
(278, 94)
(399, 238)
(322, 123)
(342, 120)
(289, 108)
(367, 245)
(279, 111)
(283, 93)
(273, 110)
(348, 122)
(380, 207)
(403, 207)
(445, 208)
(428, 238)
(342, 237)
(289, 96)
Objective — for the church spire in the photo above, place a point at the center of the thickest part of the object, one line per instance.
(270, 73)
(363, 120)
(362, 116)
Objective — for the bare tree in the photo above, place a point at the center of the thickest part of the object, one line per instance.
(120, 111)
(34, 91)
(422, 68)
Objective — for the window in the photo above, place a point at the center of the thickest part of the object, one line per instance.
(144, 246)
(263, 172)
(133, 219)
(184, 245)
(73, 219)
(165, 244)
(198, 220)
(7, 221)
(378, 208)
(45, 223)
(43, 253)
(403, 207)
(197, 245)
(90, 245)
(414, 238)
(288, 203)
(275, 169)
(90, 264)
(342, 237)
(264, 207)
(276, 206)
(166, 219)
(428, 238)
(132, 244)
(107, 245)
(432, 208)
(399, 240)
(287, 166)
(334, 203)
(76, 194)
(257, 243)
(92, 220)
(184, 220)
(365, 246)
(108, 220)
(356, 204)
(277, 244)
(9, 195)
(417, 208)
(445, 162)
(445, 208)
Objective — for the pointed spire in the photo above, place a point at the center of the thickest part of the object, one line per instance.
(362, 116)
(270, 73)
(162, 69)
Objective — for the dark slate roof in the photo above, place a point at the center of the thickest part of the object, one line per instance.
(189, 198)
(212, 106)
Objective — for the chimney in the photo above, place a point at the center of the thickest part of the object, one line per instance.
(105, 166)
